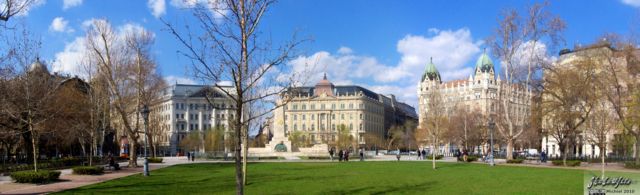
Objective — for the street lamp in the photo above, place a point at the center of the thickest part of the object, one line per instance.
(491, 126)
(145, 116)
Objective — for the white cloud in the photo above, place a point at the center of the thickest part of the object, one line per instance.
(451, 51)
(69, 61)
(59, 24)
(345, 51)
(634, 3)
(66, 4)
(217, 7)
(179, 80)
(157, 7)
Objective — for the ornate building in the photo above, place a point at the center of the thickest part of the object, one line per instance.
(318, 111)
(480, 92)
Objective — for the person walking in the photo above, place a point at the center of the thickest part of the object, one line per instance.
(419, 154)
(331, 154)
(340, 155)
(346, 155)
(424, 153)
(193, 156)
(361, 154)
(188, 156)
(398, 155)
(464, 155)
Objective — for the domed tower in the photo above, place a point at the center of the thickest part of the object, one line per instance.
(431, 73)
(484, 69)
(38, 67)
(430, 81)
(324, 87)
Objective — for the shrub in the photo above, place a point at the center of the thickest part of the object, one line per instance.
(570, 163)
(469, 158)
(155, 160)
(631, 165)
(88, 170)
(42, 176)
(70, 161)
(515, 161)
(438, 157)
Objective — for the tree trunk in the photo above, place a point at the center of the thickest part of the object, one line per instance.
(238, 149)
(245, 157)
(509, 149)
(133, 156)
(34, 146)
(637, 152)
(602, 152)
(433, 155)
(564, 154)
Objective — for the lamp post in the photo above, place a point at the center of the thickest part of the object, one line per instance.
(145, 116)
(491, 126)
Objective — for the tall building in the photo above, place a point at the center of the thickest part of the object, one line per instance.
(186, 108)
(481, 92)
(584, 144)
(319, 110)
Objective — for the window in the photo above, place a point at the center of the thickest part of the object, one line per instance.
(351, 126)
(342, 116)
(295, 127)
(350, 106)
(304, 127)
(322, 106)
(351, 116)
(304, 106)
(333, 116)
(333, 106)
(360, 126)
(341, 106)
(313, 127)
(295, 106)
(361, 106)
(304, 117)
(295, 117)
(313, 117)
(333, 127)
(177, 116)
(313, 107)
(360, 116)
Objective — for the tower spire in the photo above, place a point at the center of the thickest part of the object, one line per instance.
(325, 76)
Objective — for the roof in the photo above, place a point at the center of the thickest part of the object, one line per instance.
(431, 71)
(484, 63)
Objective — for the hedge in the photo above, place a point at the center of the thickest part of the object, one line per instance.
(155, 160)
(42, 176)
(469, 158)
(88, 170)
(631, 165)
(515, 161)
(571, 163)
(438, 157)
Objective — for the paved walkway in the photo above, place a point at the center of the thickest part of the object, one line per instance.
(70, 180)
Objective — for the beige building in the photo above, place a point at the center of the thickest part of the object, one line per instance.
(584, 145)
(482, 92)
(319, 110)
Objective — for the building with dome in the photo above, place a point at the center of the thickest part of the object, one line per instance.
(319, 110)
(480, 92)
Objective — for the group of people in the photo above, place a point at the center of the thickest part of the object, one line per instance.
(191, 156)
(422, 154)
(344, 154)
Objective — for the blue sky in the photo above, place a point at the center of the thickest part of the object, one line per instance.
(383, 45)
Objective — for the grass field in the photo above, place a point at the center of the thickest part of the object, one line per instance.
(348, 178)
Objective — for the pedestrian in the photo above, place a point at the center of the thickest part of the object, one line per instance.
(188, 156)
(346, 155)
(361, 154)
(543, 156)
(424, 153)
(340, 155)
(419, 154)
(398, 155)
(331, 154)
(464, 155)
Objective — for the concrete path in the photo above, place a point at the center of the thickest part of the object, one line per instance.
(70, 181)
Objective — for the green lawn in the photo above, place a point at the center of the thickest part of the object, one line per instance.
(348, 178)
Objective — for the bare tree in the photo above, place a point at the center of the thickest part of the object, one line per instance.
(466, 131)
(567, 103)
(516, 42)
(132, 79)
(10, 8)
(436, 122)
(231, 49)
(600, 125)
